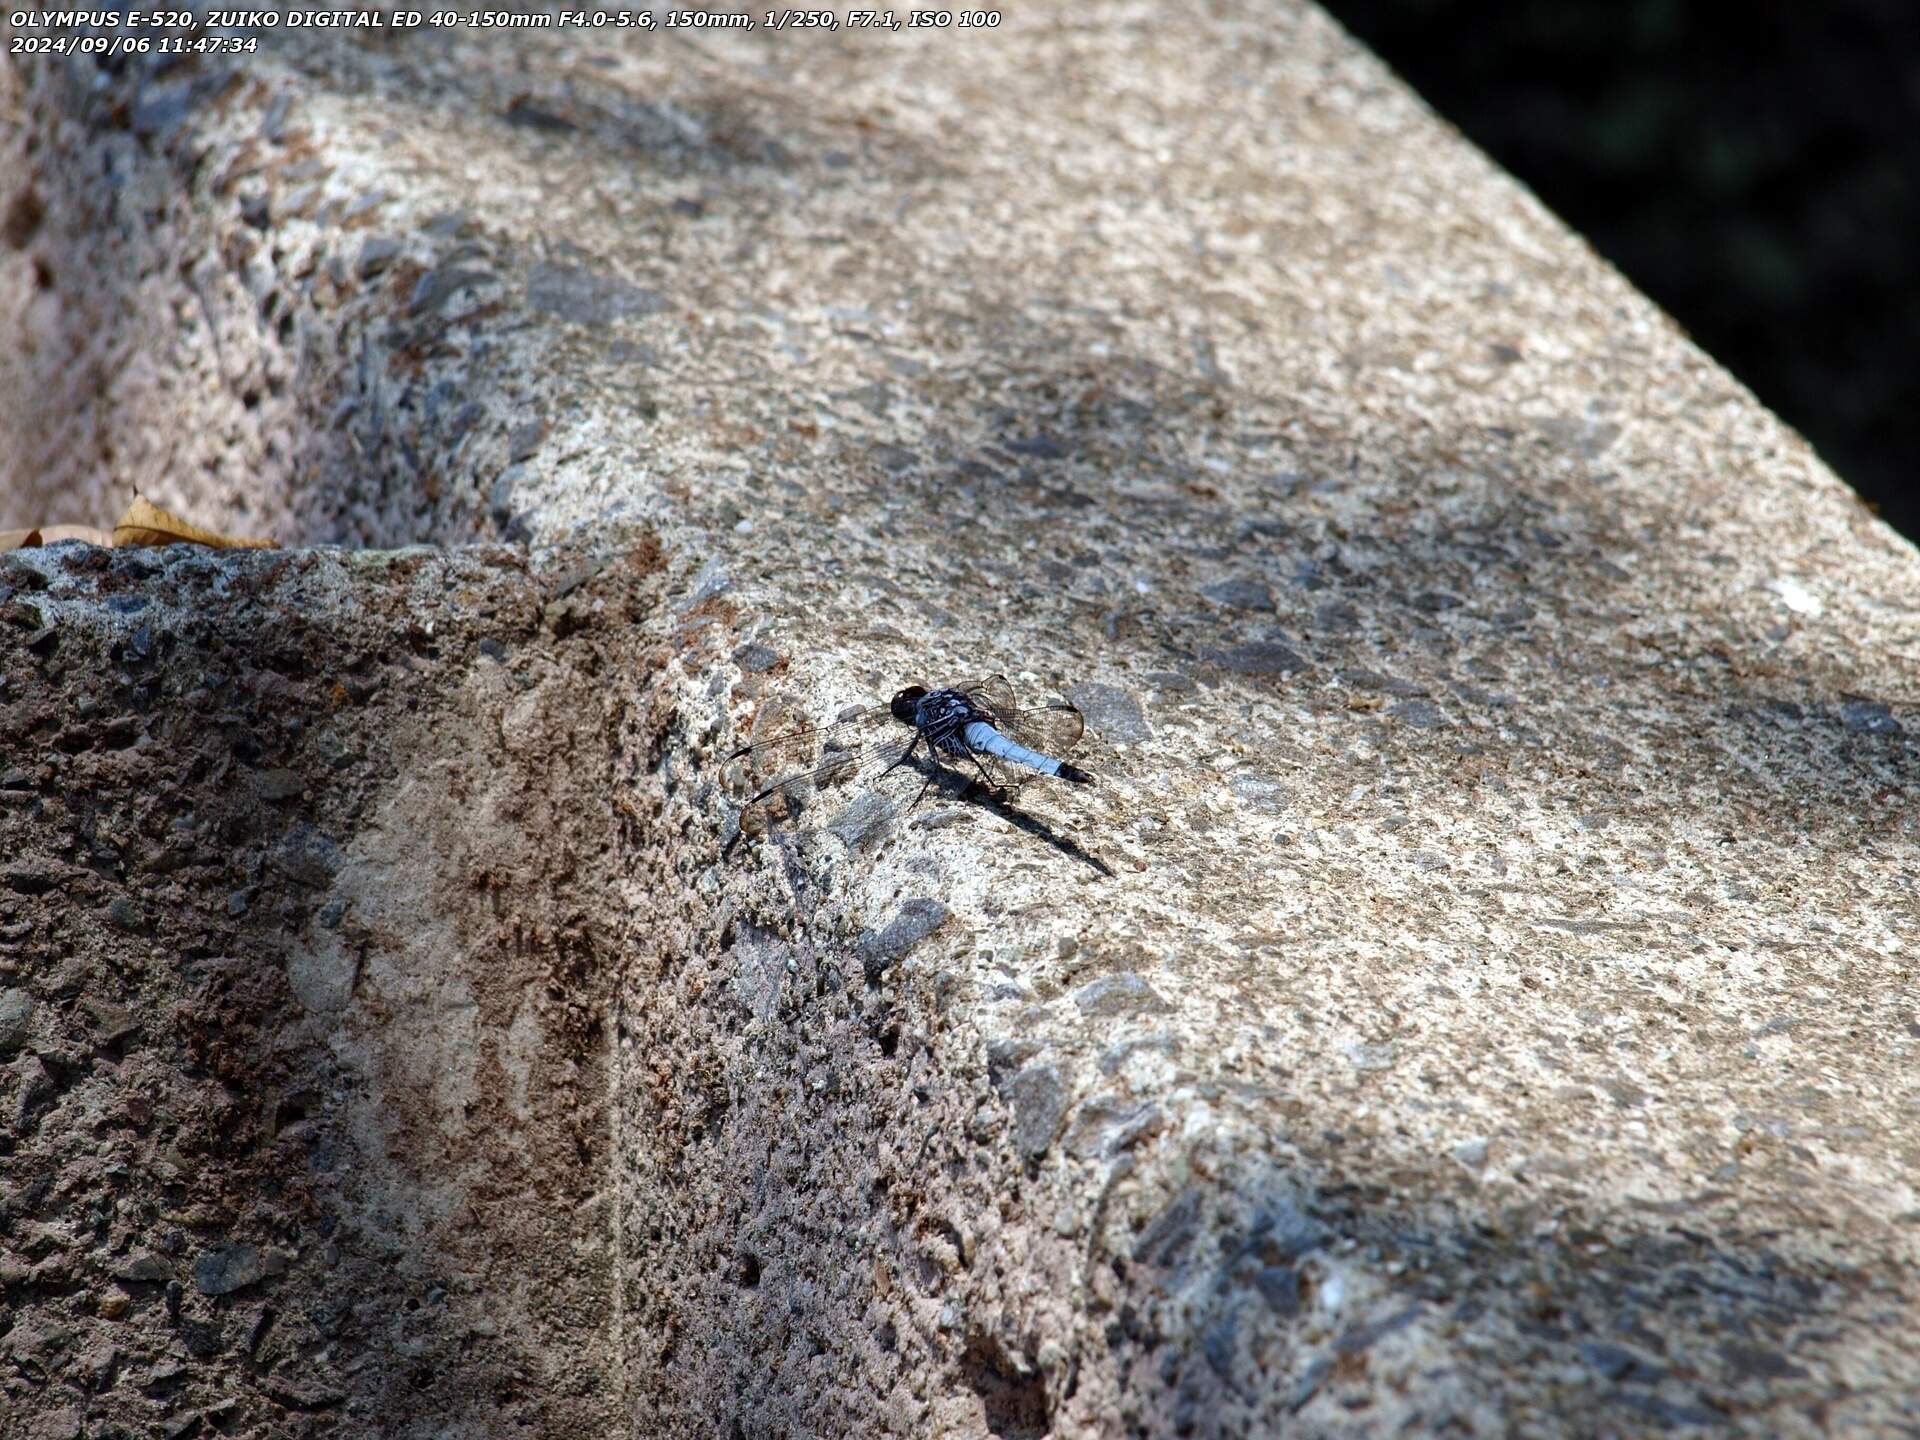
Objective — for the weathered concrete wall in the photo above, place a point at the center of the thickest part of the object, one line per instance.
(303, 999)
(1478, 997)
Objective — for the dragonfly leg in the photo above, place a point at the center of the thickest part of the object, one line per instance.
(928, 785)
(904, 758)
(986, 780)
(934, 771)
(933, 766)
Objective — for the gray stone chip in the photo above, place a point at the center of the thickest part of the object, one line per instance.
(144, 1269)
(16, 1015)
(1869, 717)
(1122, 994)
(586, 298)
(307, 857)
(1241, 594)
(865, 820)
(377, 252)
(433, 290)
(227, 1268)
(753, 657)
(918, 918)
(1261, 657)
(1421, 714)
(1039, 1101)
(1112, 713)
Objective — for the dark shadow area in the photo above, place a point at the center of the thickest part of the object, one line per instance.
(999, 804)
(872, 812)
(221, 1154)
(1459, 590)
(1667, 1322)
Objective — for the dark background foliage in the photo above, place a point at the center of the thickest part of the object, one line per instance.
(1756, 170)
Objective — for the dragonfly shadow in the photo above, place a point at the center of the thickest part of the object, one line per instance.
(968, 791)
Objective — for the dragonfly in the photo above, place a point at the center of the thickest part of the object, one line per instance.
(977, 730)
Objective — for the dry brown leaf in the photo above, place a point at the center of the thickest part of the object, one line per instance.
(145, 523)
(49, 534)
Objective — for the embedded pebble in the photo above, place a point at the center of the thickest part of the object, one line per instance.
(918, 918)
(1261, 657)
(1472, 1153)
(227, 1268)
(1112, 713)
(1039, 1100)
(1241, 594)
(1121, 994)
(16, 1015)
(1869, 717)
(1421, 714)
(575, 293)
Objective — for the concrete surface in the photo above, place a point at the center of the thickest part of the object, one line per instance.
(1478, 998)
(306, 1104)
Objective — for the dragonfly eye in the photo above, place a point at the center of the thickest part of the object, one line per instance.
(905, 701)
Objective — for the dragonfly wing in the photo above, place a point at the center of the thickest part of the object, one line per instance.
(787, 757)
(994, 693)
(1051, 729)
(781, 740)
(832, 767)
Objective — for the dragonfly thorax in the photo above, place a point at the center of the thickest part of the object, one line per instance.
(939, 715)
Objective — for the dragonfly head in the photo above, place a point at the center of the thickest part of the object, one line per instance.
(906, 704)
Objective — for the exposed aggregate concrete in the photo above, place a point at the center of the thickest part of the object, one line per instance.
(1478, 998)
(308, 1122)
